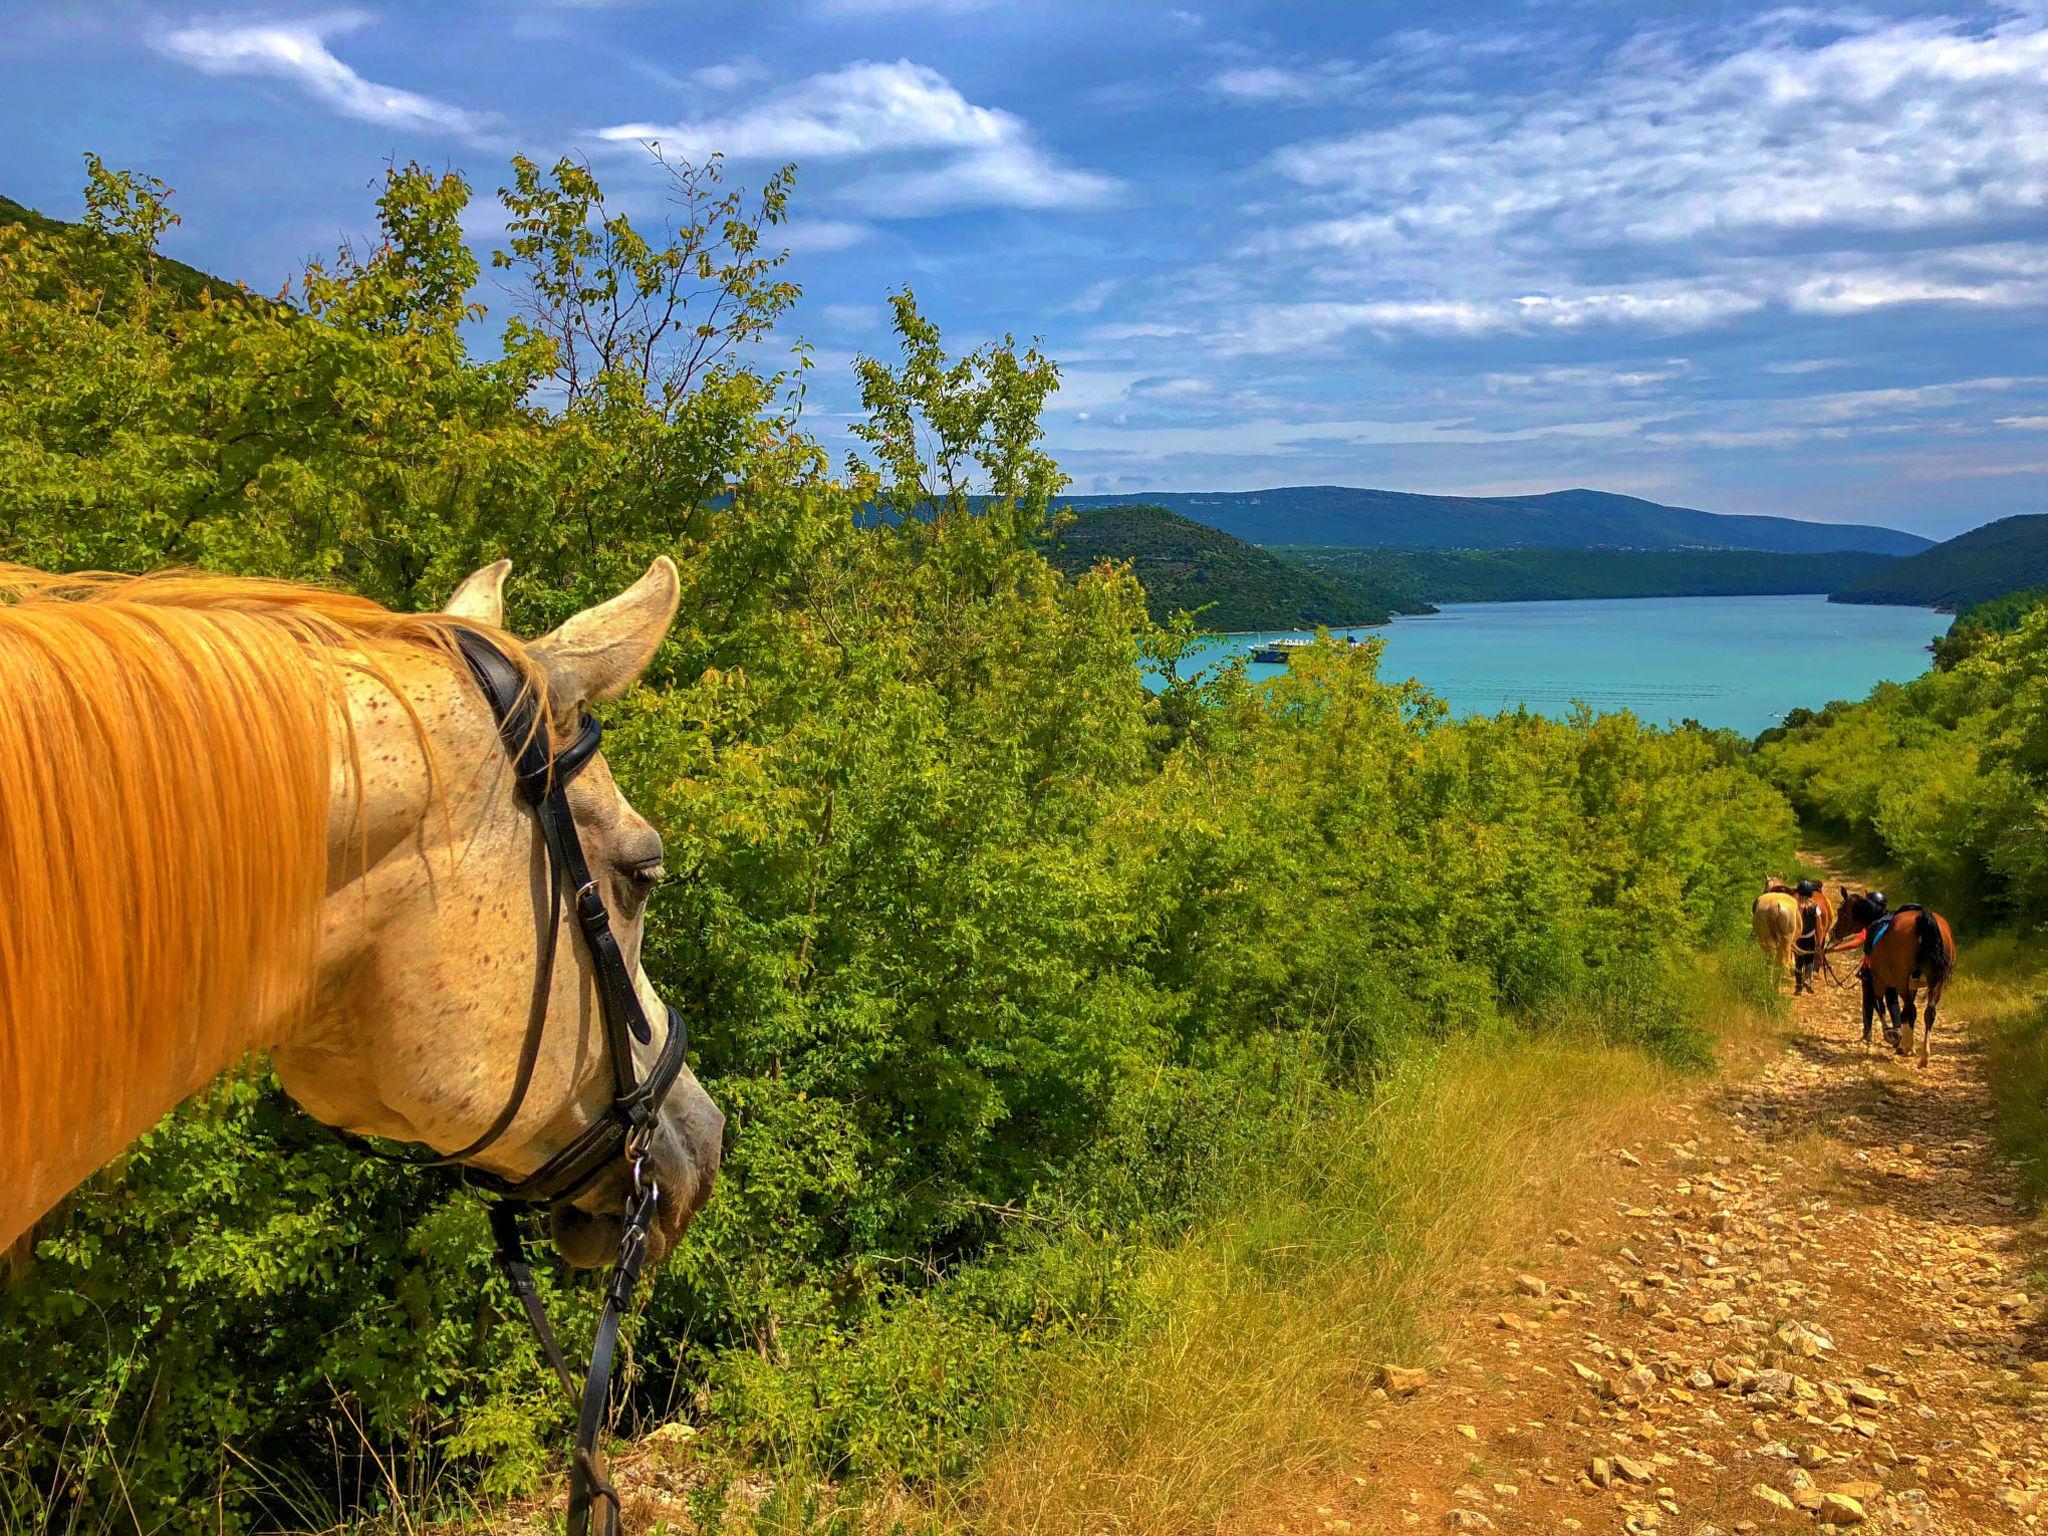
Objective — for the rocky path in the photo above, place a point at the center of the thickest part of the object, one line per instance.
(1801, 1302)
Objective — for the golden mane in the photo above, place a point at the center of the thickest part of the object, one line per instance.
(165, 776)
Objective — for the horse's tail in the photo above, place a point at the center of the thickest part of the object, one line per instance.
(1933, 959)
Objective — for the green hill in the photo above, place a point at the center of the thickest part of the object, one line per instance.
(187, 282)
(1536, 575)
(1578, 519)
(2007, 556)
(1232, 585)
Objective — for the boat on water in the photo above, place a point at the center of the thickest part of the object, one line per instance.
(1281, 652)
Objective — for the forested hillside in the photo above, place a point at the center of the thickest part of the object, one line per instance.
(175, 279)
(1534, 575)
(1978, 624)
(1988, 562)
(1008, 972)
(1226, 583)
(1944, 778)
(1580, 519)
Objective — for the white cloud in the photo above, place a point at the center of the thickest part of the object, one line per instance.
(852, 317)
(874, 110)
(1660, 309)
(818, 236)
(1852, 404)
(1269, 435)
(729, 75)
(2025, 423)
(1909, 126)
(1013, 175)
(1807, 365)
(1263, 83)
(1137, 330)
(296, 53)
(1855, 293)
(1273, 82)
(1599, 377)
(1827, 163)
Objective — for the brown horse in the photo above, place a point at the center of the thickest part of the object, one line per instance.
(1816, 922)
(1913, 946)
(242, 815)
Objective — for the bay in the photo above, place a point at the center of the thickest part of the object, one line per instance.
(1737, 662)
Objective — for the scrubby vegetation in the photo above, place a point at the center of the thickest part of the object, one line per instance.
(1420, 576)
(1993, 561)
(1977, 625)
(1944, 779)
(1224, 582)
(1010, 973)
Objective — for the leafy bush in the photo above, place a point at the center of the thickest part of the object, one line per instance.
(1945, 777)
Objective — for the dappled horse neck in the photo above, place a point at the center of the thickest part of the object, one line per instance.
(166, 755)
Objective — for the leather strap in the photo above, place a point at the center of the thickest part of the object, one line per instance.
(543, 778)
(621, 1133)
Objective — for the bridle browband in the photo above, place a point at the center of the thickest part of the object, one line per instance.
(622, 1134)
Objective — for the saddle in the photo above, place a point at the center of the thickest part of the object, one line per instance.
(1883, 925)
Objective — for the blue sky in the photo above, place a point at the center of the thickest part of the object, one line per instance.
(1751, 259)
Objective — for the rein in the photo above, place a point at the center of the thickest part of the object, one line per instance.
(625, 1130)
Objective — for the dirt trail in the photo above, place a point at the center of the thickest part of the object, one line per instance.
(1799, 1302)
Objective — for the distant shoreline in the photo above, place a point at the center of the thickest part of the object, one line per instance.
(1496, 602)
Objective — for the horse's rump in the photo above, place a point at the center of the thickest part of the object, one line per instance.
(1774, 919)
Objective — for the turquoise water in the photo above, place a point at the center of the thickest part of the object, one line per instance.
(1739, 662)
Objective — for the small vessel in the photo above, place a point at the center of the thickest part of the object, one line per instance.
(1279, 652)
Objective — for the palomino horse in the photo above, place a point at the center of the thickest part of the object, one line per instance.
(1774, 919)
(246, 815)
(1915, 946)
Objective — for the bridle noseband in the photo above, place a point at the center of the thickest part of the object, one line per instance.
(625, 1130)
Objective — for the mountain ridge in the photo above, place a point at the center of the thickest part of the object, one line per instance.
(1577, 518)
(1186, 566)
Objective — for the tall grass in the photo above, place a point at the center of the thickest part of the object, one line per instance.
(2001, 994)
(1255, 1360)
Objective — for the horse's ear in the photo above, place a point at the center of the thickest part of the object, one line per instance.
(481, 596)
(601, 652)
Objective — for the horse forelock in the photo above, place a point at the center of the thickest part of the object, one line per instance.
(167, 751)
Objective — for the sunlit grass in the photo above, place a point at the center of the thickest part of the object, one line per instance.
(2001, 994)
(1257, 1362)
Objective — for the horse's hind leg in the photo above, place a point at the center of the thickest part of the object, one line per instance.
(1895, 1029)
(1927, 1029)
(1909, 1015)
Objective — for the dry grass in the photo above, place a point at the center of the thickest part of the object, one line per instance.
(1255, 1364)
(2000, 995)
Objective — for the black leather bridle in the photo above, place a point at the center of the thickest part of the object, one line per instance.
(626, 1129)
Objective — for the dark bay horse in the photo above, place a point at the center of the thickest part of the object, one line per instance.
(1810, 949)
(1912, 946)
